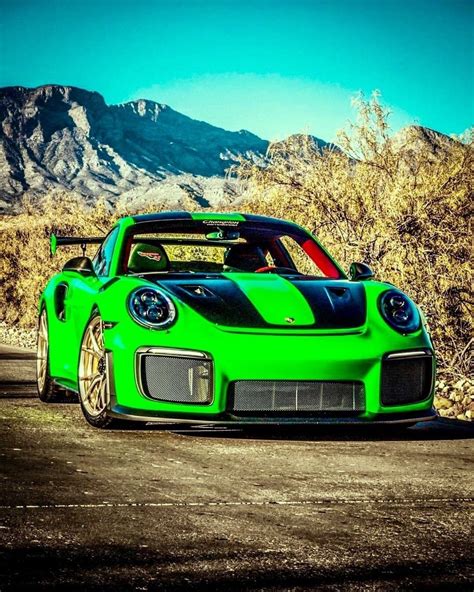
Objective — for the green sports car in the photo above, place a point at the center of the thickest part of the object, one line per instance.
(224, 319)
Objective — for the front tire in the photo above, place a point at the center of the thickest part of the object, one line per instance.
(48, 391)
(94, 395)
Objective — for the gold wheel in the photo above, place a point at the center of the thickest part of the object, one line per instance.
(92, 370)
(42, 352)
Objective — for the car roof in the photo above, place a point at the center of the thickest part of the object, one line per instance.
(201, 216)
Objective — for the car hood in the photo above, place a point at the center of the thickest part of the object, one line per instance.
(269, 300)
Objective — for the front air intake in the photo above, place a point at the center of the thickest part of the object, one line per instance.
(175, 376)
(407, 377)
(281, 398)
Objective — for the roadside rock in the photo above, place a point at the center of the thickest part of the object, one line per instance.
(17, 337)
(455, 398)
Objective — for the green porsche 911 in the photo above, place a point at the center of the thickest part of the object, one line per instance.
(224, 319)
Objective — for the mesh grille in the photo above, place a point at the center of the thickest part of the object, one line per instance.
(283, 397)
(406, 380)
(176, 379)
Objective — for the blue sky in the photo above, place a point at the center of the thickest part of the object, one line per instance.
(272, 67)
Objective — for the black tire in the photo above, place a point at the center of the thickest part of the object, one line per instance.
(93, 364)
(102, 421)
(48, 391)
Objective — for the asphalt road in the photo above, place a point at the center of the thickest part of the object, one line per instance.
(214, 509)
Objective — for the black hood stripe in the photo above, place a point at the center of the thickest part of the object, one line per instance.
(335, 304)
(222, 301)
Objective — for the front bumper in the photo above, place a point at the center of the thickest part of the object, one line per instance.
(351, 356)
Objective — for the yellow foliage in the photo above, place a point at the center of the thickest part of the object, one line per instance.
(402, 204)
(25, 262)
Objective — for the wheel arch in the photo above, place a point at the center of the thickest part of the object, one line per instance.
(41, 303)
(94, 310)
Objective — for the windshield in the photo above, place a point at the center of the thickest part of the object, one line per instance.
(246, 247)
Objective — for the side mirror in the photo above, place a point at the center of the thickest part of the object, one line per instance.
(360, 271)
(82, 265)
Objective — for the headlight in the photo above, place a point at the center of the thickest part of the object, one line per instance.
(399, 311)
(152, 308)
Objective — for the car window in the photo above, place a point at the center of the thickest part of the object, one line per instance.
(192, 248)
(302, 262)
(103, 258)
(195, 258)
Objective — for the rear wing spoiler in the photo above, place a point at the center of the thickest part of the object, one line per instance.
(66, 241)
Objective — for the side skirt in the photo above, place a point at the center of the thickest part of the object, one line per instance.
(64, 383)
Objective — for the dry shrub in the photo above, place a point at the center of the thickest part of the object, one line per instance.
(402, 204)
(25, 262)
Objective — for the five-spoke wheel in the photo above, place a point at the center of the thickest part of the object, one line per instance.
(94, 393)
(48, 391)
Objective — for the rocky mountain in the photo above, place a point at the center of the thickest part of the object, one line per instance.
(411, 139)
(62, 137)
(66, 137)
(300, 141)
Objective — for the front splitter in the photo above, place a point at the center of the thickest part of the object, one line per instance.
(230, 420)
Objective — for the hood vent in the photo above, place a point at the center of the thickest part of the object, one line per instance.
(198, 291)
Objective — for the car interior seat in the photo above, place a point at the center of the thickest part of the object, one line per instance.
(245, 257)
(147, 257)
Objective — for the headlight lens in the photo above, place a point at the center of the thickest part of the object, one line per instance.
(399, 311)
(152, 308)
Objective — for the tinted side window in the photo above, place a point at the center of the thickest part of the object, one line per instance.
(104, 255)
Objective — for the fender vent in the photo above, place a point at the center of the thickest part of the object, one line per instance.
(339, 292)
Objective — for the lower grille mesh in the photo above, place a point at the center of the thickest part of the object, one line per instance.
(406, 380)
(283, 397)
(176, 379)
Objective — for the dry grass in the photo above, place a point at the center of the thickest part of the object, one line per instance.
(25, 263)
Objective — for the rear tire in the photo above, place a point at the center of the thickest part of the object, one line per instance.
(48, 391)
(94, 395)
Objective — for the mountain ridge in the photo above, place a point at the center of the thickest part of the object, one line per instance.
(66, 137)
(57, 136)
